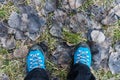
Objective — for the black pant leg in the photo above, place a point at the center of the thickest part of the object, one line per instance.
(37, 74)
(80, 72)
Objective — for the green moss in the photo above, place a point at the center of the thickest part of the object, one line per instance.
(3, 51)
(72, 38)
(102, 75)
(116, 35)
(13, 69)
(55, 71)
(45, 36)
(6, 10)
(87, 4)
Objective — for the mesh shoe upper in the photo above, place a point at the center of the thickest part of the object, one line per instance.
(35, 59)
(83, 55)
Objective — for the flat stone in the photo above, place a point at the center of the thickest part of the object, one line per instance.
(21, 52)
(1, 1)
(56, 30)
(60, 16)
(116, 10)
(4, 76)
(14, 20)
(33, 36)
(36, 2)
(74, 4)
(35, 23)
(94, 25)
(112, 16)
(117, 1)
(8, 43)
(110, 19)
(101, 54)
(114, 62)
(97, 12)
(97, 36)
(50, 5)
(26, 9)
(19, 35)
(3, 30)
(79, 23)
(62, 56)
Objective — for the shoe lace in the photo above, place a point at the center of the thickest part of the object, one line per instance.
(83, 58)
(36, 61)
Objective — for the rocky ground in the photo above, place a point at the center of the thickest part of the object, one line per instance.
(59, 26)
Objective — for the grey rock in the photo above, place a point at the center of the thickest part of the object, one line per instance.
(50, 5)
(1, 1)
(79, 22)
(4, 76)
(20, 35)
(97, 36)
(24, 23)
(3, 30)
(18, 2)
(112, 16)
(21, 52)
(94, 25)
(116, 10)
(114, 62)
(62, 56)
(24, 9)
(8, 43)
(33, 36)
(35, 23)
(14, 20)
(36, 2)
(117, 1)
(11, 30)
(110, 19)
(97, 12)
(74, 4)
(117, 46)
(101, 54)
(56, 30)
(60, 16)
(35, 26)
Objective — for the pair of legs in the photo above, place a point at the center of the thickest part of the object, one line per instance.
(80, 71)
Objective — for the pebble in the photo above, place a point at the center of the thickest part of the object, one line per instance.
(21, 52)
(8, 43)
(50, 5)
(56, 30)
(1, 1)
(14, 20)
(33, 36)
(62, 56)
(4, 76)
(101, 54)
(19, 35)
(3, 30)
(79, 23)
(74, 4)
(97, 36)
(114, 62)
(97, 12)
(113, 16)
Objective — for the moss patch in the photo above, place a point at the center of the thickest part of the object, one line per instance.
(72, 38)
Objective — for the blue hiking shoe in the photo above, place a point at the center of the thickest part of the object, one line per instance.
(83, 55)
(35, 58)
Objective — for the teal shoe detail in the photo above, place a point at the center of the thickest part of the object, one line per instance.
(35, 58)
(83, 55)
